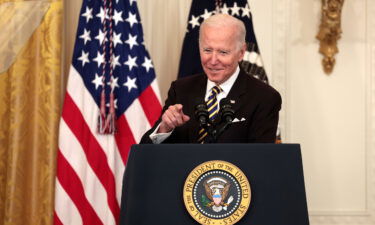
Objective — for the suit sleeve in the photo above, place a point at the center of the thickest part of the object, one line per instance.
(171, 100)
(265, 120)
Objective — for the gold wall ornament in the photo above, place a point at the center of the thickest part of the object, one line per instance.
(329, 32)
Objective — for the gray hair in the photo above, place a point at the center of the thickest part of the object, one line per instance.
(225, 20)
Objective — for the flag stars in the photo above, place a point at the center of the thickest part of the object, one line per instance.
(147, 64)
(113, 83)
(99, 59)
(131, 62)
(235, 10)
(246, 11)
(84, 58)
(117, 17)
(130, 83)
(132, 19)
(88, 14)
(225, 9)
(114, 103)
(206, 14)
(131, 41)
(101, 37)
(98, 81)
(194, 21)
(85, 36)
(116, 38)
(102, 14)
(115, 61)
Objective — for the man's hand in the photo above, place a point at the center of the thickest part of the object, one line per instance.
(173, 117)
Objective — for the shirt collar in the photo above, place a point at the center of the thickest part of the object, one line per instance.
(226, 86)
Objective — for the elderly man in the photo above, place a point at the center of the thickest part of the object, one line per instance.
(256, 104)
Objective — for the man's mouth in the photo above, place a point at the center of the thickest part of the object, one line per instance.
(214, 69)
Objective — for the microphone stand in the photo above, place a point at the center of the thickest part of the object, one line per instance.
(223, 128)
(214, 133)
(211, 133)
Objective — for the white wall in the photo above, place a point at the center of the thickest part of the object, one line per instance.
(327, 114)
(332, 117)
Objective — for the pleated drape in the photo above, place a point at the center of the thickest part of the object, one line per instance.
(30, 99)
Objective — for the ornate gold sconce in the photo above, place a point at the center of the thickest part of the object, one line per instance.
(329, 32)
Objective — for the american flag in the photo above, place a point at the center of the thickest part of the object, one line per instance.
(109, 55)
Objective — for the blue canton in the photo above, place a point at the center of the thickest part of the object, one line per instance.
(133, 70)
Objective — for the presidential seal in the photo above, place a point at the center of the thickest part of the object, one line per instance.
(217, 193)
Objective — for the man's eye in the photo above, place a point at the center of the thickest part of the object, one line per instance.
(223, 52)
(207, 50)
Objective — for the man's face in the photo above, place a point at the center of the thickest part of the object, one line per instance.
(219, 52)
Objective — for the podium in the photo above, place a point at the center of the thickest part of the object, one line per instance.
(155, 175)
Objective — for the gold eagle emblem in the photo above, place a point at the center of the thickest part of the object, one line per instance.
(217, 189)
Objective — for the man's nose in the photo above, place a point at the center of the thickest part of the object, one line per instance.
(214, 59)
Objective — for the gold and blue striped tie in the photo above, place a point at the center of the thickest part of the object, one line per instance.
(213, 110)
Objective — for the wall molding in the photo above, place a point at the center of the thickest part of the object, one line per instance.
(279, 58)
(281, 25)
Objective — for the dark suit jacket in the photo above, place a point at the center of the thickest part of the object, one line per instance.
(255, 101)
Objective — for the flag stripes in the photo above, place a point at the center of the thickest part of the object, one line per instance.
(65, 208)
(90, 112)
(80, 132)
(57, 220)
(138, 120)
(149, 102)
(72, 184)
(69, 148)
(95, 155)
(124, 138)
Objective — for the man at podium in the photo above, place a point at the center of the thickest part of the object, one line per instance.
(254, 105)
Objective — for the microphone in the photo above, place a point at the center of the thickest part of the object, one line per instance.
(201, 114)
(226, 111)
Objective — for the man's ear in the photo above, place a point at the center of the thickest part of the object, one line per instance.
(242, 51)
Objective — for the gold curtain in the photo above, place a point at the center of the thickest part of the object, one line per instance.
(30, 93)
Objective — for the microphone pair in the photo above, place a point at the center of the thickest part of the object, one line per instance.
(226, 113)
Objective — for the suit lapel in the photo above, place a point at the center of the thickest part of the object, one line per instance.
(238, 89)
(198, 89)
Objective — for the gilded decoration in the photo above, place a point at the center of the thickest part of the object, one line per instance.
(330, 32)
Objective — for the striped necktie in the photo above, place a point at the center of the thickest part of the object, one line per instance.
(213, 110)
